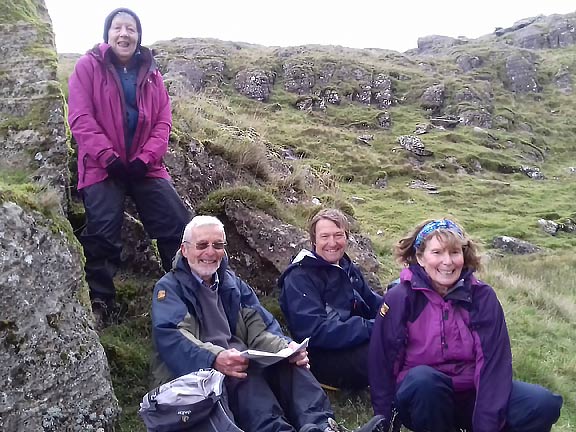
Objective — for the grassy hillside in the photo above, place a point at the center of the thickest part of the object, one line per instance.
(476, 172)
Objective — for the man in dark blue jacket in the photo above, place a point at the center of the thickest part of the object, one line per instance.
(325, 297)
(203, 316)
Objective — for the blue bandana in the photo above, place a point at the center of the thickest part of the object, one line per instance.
(433, 226)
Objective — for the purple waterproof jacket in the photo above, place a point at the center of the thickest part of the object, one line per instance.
(97, 116)
(463, 335)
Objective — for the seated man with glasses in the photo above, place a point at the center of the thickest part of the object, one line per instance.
(203, 316)
(325, 297)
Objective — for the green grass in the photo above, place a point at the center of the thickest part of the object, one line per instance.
(539, 298)
(128, 349)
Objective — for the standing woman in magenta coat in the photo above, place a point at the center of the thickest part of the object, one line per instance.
(440, 352)
(120, 116)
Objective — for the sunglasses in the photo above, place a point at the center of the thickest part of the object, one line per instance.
(204, 245)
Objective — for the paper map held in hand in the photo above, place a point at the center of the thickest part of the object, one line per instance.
(264, 358)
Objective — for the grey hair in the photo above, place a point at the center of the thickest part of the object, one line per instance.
(198, 221)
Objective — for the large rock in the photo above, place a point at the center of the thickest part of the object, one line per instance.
(514, 245)
(54, 371)
(542, 32)
(563, 80)
(468, 62)
(262, 246)
(255, 84)
(32, 131)
(521, 75)
(299, 77)
(433, 98)
(433, 43)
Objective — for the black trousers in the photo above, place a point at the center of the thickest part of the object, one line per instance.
(160, 209)
(427, 402)
(281, 397)
(345, 368)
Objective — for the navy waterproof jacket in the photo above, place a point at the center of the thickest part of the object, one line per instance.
(331, 304)
(177, 320)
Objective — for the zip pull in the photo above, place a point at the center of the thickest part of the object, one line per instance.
(125, 70)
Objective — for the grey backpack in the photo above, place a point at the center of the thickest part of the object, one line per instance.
(191, 402)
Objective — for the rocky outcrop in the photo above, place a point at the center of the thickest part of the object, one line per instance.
(32, 131)
(552, 227)
(433, 43)
(330, 95)
(473, 105)
(255, 84)
(432, 99)
(193, 65)
(310, 103)
(521, 74)
(414, 145)
(382, 95)
(322, 80)
(192, 75)
(541, 32)
(54, 369)
(514, 245)
(299, 78)
(384, 120)
(563, 80)
(468, 62)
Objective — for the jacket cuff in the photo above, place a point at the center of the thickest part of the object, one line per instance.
(107, 157)
(144, 158)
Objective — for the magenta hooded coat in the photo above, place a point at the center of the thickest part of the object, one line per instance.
(96, 115)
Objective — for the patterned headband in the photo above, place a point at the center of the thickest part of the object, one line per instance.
(433, 226)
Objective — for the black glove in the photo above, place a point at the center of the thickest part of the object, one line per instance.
(137, 169)
(116, 169)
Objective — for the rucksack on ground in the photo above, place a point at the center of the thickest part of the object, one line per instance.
(191, 402)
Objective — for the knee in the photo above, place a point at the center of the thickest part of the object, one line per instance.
(547, 406)
(535, 408)
(425, 376)
(425, 381)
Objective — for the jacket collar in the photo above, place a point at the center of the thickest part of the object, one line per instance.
(308, 257)
(103, 53)
(418, 279)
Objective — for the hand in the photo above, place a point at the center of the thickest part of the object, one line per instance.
(137, 169)
(300, 357)
(231, 363)
(116, 169)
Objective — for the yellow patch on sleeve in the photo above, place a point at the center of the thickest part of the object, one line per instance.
(161, 295)
(384, 309)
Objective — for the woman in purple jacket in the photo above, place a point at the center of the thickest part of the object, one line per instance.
(440, 352)
(119, 114)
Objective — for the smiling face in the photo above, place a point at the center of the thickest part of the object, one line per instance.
(123, 36)
(330, 241)
(204, 262)
(442, 262)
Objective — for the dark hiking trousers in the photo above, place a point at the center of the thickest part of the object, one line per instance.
(345, 368)
(281, 397)
(426, 402)
(160, 209)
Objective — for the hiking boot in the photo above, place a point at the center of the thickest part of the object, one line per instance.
(376, 424)
(101, 313)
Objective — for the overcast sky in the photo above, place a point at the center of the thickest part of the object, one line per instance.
(395, 24)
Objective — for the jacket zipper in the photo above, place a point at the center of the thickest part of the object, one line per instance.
(443, 330)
